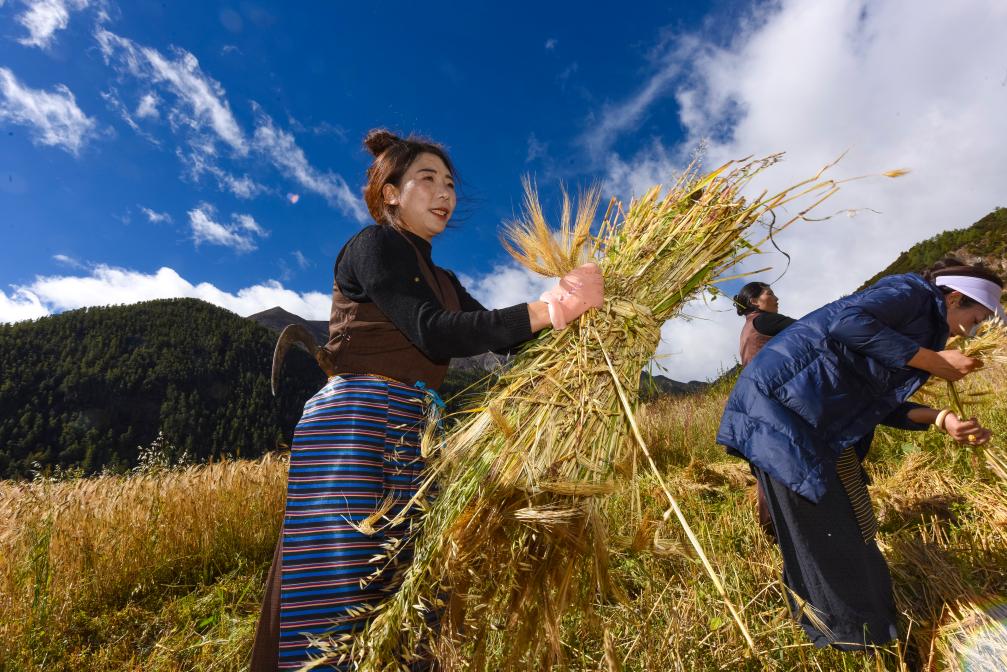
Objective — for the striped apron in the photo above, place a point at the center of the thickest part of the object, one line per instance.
(356, 449)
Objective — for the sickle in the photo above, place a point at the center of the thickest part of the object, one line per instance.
(294, 334)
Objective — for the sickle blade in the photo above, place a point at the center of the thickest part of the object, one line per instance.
(292, 334)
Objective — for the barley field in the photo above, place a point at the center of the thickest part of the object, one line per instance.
(163, 569)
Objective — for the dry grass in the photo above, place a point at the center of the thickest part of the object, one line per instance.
(82, 560)
(164, 572)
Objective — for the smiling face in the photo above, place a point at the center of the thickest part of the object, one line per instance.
(962, 319)
(425, 197)
(767, 301)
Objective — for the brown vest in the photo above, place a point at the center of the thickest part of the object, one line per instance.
(751, 340)
(363, 340)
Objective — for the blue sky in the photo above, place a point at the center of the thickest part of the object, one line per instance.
(202, 105)
(154, 149)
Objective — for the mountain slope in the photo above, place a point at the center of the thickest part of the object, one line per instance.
(984, 241)
(85, 388)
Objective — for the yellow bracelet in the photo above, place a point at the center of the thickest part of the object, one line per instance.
(939, 422)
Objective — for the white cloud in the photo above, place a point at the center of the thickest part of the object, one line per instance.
(147, 107)
(202, 102)
(67, 261)
(302, 261)
(625, 116)
(551, 43)
(506, 285)
(53, 117)
(201, 161)
(248, 223)
(43, 18)
(239, 234)
(202, 112)
(155, 217)
(896, 86)
(107, 285)
(282, 150)
(21, 305)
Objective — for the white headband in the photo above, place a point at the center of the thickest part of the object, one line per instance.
(984, 292)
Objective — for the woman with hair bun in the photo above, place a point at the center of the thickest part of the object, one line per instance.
(397, 319)
(758, 304)
(803, 413)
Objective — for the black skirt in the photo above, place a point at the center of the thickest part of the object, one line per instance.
(842, 584)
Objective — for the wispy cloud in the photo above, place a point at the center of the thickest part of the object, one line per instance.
(201, 161)
(301, 260)
(282, 150)
(551, 43)
(202, 101)
(67, 261)
(239, 234)
(536, 148)
(53, 116)
(155, 217)
(108, 285)
(43, 18)
(201, 112)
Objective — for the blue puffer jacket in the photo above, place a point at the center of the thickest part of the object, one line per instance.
(826, 381)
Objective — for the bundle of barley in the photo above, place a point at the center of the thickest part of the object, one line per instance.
(514, 537)
(989, 346)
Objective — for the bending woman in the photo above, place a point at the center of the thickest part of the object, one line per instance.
(397, 319)
(758, 304)
(804, 411)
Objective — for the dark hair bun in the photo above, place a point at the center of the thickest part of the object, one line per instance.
(380, 139)
(739, 304)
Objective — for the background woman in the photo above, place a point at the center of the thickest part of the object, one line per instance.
(397, 319)
(760, 307)
(804, 411)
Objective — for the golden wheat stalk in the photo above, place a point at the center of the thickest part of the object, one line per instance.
(515, 538)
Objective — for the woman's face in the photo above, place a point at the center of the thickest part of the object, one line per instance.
(426, 196)
(964, 320)
(767, 301)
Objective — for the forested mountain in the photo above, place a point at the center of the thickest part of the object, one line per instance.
(87, 387)
(984, 241)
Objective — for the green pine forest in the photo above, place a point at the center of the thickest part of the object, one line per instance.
(85, 389)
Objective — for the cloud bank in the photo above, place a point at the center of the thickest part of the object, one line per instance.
(108, 285)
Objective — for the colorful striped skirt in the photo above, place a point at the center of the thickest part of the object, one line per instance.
(355, 449)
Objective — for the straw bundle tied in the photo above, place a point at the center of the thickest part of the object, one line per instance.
(515, 538)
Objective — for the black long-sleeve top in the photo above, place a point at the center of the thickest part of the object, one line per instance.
(770, 324)
(378, 265)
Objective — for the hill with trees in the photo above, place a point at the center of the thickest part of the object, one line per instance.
(86, 388)
(984, 241)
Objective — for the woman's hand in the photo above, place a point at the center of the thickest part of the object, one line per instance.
(966, 431)
(947, 364)
(578, 291)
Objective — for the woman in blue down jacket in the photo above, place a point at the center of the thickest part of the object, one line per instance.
(803, 413)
